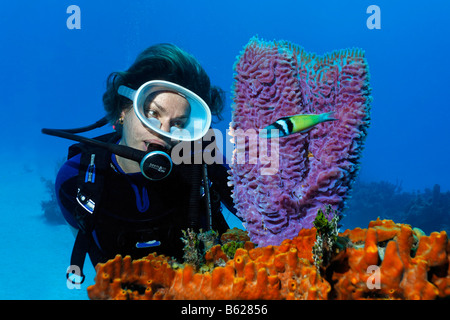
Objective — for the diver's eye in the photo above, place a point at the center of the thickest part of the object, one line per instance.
(179, 124)
(151, 113)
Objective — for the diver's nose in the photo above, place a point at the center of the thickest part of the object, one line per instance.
(165, 126)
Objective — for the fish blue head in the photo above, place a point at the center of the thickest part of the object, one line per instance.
(270, 132)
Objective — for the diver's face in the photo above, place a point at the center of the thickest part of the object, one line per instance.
(169, 108)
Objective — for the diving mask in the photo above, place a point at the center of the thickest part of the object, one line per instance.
(195, 127)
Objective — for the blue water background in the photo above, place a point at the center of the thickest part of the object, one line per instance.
(55, 77)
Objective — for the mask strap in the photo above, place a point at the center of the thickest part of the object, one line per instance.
(126, 92)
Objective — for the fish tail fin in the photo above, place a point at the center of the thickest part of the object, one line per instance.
(328, 116)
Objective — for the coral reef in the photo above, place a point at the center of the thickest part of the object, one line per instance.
(327, 230)
(124, 279)
(412, 266)
(316, 168)
(428, 209)
(51, 211)
(196, 245)
(50, 207)
(191, 251)
(384, 261)
(232, 240)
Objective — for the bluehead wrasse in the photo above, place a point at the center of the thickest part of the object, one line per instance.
(294, 124)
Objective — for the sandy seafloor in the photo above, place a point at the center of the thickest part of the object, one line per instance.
(35, 255)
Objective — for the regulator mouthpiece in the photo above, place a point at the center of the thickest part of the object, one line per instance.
(156, 164)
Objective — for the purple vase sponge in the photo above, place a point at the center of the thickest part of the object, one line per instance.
(279, 184)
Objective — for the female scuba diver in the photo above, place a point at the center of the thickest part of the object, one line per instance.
(113, 203)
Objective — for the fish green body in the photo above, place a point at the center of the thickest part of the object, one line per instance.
(294, 124)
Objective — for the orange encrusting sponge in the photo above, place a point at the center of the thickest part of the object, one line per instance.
(385, 261)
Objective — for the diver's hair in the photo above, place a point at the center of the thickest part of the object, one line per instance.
(162, 62)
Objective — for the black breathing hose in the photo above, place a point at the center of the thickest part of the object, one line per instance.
(100, 123)
(194, 174)
(207, 197)
(154, 166)
(123, 151)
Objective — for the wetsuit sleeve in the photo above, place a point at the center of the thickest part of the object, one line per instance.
(66, 188)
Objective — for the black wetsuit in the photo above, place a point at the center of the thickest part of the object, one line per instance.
(133, 215)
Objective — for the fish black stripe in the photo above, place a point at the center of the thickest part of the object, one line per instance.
(290, 125)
